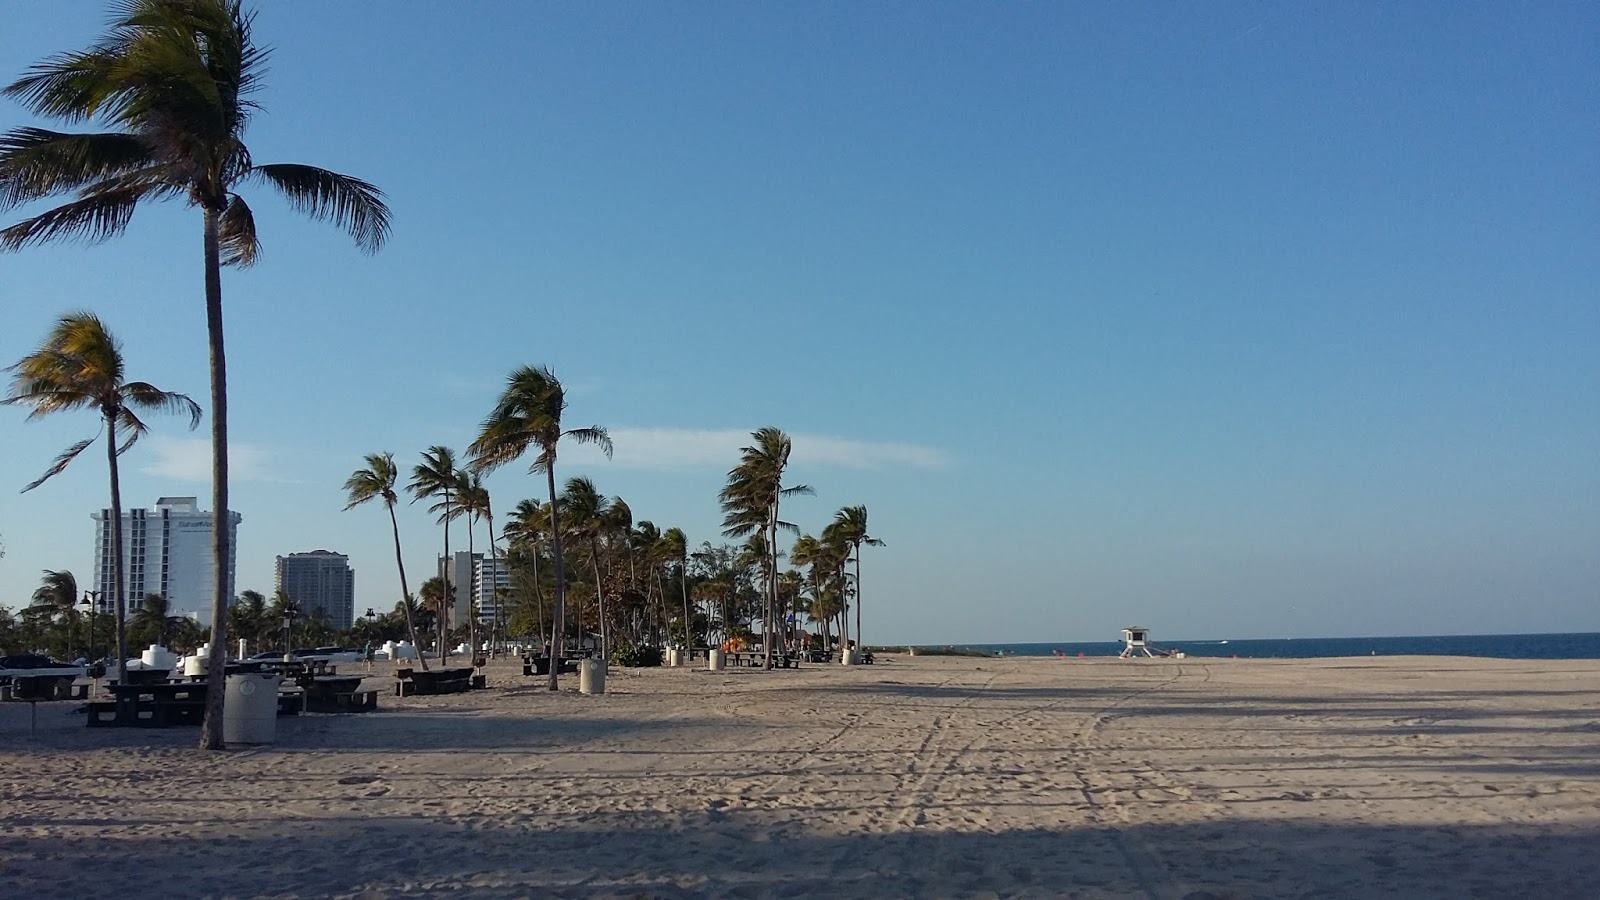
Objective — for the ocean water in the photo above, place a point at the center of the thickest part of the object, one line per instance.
(1503, 646)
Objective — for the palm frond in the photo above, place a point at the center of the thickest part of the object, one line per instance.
(346, 201)
(67, 86)
(97, 217)
(36, 162)
(236, 232)
(595, 435)
(144, 395)
(131, 427)
(61, 462)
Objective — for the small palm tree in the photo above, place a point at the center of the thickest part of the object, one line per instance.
(248, 617)
(586, 511)
(80, 366)
(675, 546)
(850, 526)
(437, 476)
(374, 482)
(524, 531)
(174, 79)
(528, 415)
(59, 591)
(154, 617)
(750, 505)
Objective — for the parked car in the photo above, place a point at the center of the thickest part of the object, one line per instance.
(34, 664)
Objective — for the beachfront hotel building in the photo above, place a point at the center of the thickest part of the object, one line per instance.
(319, 580)
(476, 579)
(166, 550)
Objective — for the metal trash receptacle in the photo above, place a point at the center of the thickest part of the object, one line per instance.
(250, 710)
(592, 676)
(714, 660)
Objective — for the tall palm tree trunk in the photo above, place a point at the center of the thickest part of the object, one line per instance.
(447, 600)
(119, 572)
(858, 597)
(599, 597)
(688, 622)
(211, 729)
(472, 601)
(844, 610)
(494, 587)
(405, 589)
(557, 626)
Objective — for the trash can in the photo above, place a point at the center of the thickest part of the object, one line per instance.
(849, 657)
(714, 660)
(592, 676)
(250, 710)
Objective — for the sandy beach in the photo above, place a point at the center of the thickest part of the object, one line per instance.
(918, 776)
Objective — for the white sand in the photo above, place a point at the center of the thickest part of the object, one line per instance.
(1414, 777)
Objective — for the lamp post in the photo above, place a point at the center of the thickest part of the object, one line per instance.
(89, 600)
(288, 625)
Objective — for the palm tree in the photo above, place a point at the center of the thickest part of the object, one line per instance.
(750, 505)
(675, 546)
(525, 530)
(528, 414)
(587, 512)
(248, 617)
(174, 78)
(59, 591)
(436, 476)
(850, 525)
(377, 480)
(154, 616)
(80, 366)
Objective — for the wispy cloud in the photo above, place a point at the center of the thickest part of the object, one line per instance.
(189, 459)
(696, 448)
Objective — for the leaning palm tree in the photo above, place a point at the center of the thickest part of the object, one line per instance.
(377, 480)
(528, 414)
(59, 591)
(750, 505)
(80, 366)
(436, 476)
(173, 79)
(850, 525)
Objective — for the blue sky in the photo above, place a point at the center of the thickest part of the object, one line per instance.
(1233, 320)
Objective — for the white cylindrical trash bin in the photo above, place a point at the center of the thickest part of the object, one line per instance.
(714, 660)
(592, 676)
(848, 657)
(250, 709)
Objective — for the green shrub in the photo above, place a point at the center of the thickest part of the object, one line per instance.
(636, 657)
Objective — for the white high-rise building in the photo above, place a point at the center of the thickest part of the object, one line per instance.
(479, 575)
(167, 551)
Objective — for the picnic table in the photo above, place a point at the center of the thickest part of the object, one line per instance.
(433, 681)
(540, 665)
(151, 705)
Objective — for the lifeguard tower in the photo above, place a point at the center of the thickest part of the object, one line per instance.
(1135, 639)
